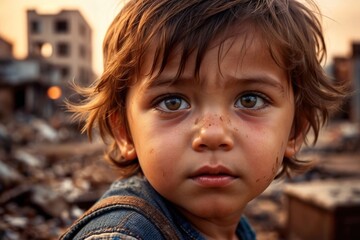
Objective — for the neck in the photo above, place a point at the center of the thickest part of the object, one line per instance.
(215, 228)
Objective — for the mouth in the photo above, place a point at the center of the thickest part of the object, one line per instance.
(213, 176)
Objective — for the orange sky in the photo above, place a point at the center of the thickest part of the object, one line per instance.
(341, 24)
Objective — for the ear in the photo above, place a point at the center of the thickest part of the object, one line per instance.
(122, 138)
(294, 143)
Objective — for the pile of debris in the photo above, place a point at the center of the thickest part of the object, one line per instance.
(49, 175)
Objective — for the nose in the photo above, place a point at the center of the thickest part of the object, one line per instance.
(213, 134)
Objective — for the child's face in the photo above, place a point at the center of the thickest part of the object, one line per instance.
(211, 146)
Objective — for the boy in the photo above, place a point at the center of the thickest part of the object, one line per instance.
(204, 103)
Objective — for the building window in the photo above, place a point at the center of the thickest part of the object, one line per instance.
(64, 72)
(35, 26)
(61, 26)
(83, 76)
(36, 48)
(82, 51)
(63, 49)
(82, 30)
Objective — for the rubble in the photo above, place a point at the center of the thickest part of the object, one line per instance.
(49, 175)
(46, 182)
(9, 175)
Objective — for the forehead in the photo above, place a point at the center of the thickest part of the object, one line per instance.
(240, 41)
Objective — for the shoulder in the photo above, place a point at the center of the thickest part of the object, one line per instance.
(125, 212)
(116, 223)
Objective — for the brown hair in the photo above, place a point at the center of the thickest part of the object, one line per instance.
(289, 28)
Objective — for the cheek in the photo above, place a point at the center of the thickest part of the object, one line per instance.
(266, 157)
(265, 166)
(156, 159)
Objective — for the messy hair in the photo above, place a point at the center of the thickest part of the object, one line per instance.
(291, 30)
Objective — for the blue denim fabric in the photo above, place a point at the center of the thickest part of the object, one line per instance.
(132, 224)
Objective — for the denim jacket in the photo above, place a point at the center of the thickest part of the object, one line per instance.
(129, 223)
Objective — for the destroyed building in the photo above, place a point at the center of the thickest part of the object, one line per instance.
(59, 52)
(347, 69)
(65, 40)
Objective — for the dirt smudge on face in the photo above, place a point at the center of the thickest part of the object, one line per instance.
(274, 168)
(151, 151)
(164, 174)
(269, 179)
(276, 165)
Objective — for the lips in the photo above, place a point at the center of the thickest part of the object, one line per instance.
(213, 176)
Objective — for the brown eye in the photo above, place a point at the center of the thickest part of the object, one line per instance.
(248, 101)
(251, 101)
(172, 103)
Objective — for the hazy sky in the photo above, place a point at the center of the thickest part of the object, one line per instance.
(341, 22)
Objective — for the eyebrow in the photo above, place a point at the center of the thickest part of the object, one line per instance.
(265, 80)
(166, 81)
(261, 79)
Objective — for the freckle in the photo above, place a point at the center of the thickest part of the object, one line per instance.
(209, 125)
(221, 119)
(196, 121)
(258, 180)
(151, 150)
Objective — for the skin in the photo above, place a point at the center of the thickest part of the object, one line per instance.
(213, 145)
